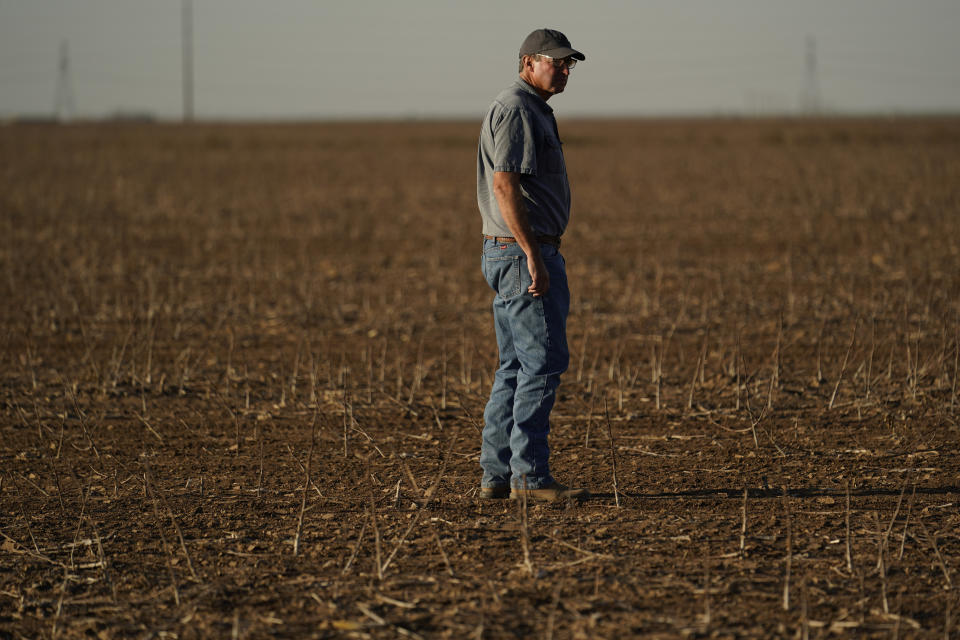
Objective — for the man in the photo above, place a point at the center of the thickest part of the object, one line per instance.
(524, 200)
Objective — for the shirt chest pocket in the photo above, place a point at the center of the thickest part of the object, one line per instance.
(551, 156)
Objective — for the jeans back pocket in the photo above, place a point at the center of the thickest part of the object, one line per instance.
(503, 275)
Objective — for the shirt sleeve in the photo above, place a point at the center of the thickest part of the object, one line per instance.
(514, 144)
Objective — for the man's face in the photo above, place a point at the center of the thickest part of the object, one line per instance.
(546, 78)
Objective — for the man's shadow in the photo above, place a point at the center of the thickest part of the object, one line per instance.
(774, 492)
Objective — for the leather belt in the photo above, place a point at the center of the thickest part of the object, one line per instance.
(553, 240)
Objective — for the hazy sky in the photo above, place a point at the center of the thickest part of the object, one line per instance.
(424, 58)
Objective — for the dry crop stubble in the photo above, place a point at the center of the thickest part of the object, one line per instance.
(765, 313)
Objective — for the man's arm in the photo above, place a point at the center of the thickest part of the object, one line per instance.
(506, 188)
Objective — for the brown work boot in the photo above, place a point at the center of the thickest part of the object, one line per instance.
(555, 491)
(495, 493)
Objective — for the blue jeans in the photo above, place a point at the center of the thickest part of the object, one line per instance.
(532, 339)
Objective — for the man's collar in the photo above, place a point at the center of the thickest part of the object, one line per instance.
(526, 86)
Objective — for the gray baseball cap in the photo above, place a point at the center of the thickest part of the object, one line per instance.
(549, 42)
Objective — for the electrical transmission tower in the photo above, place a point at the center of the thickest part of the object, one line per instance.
(63, 102)
(810, 98)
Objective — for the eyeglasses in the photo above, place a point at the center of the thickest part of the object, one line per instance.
(558, 63)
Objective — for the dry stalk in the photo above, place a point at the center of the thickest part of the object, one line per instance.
(56, 478)
(436, 413)
(660, 348)
(313, 484)
(406, 407)
(56, 616)
(346, 419)
(413, 481)
(862, 600)
(430, 493)
(173, 519)
(804, 615)
(417, 373)
(592, 372)
(843, 367)
(906, 521)
(356, 549)
(228, 369)
(653, 362)
(403, 539)
(466, 412)
(524, 528)
(698, 370)
(893, 519)
(932, 541)
(737, 364)
(820, 379)
(946, 616)
(382, 376)
(306, 485)
(295, 374)
(231, 412)
(914, 377)
(76, 534)
(619, 388)
(956, 369)
(33, 484)
(464, 376)
(592, 554)
(873, 347)
(260, 471)
(163, 539)
(24, 514)
(881, 564)
(146, 424)
(586, 438)
(613, 454)
(789, 558)
(898, 619)
(376, 538)
(33, 374)
(443, 553)
(753, 427)
(775, 374)
(743, 524)
(553, 612)
(846, 519)
(355, 425)
(583, 355)
(443, 375)
(707, 579)
(83, 422)
(889, 374)
(104, 563)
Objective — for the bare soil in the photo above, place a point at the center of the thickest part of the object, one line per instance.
(244, 367)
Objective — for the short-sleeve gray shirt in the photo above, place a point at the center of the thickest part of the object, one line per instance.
(519, 135)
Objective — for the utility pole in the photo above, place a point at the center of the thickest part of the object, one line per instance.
(186, 14)
(63, 102)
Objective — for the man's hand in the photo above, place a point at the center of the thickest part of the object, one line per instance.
(538, 272)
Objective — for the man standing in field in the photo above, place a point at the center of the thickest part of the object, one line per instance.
(524, 200)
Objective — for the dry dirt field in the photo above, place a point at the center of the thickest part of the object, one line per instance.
(242, 368)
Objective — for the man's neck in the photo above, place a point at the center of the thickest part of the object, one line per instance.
(540, 92)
